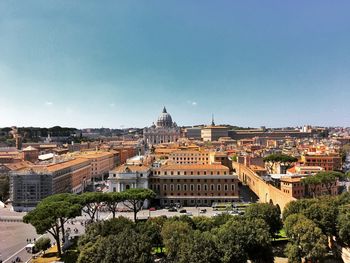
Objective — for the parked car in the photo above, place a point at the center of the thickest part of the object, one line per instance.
(189, 214)
(172, 209)
(183, 211)
(152, 209)
(203, 211)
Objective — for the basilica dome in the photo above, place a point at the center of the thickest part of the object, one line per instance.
(164, 120)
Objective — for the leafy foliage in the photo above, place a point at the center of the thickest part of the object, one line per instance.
(282, 158)
(307, 240)
(269, 213)
(43, 243)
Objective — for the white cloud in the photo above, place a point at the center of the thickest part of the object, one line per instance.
(112, 105)
(191, 102)
(48, 103)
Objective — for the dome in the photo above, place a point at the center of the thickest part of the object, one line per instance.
(164, 120)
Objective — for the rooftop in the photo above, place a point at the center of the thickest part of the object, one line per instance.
(132, 168)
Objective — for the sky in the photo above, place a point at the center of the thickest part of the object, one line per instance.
(116, 64)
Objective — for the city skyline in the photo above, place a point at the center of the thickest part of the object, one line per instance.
(250, 64)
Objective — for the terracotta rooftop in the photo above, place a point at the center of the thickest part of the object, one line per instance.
(66, 164)
(94, 154)
(290, 179)
(133, 168)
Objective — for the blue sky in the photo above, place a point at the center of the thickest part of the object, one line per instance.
(250, 63)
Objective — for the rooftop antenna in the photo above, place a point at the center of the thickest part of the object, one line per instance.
(212, 120)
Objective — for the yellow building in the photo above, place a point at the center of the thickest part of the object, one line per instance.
(101, 162)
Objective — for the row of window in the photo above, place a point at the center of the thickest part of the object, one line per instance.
(197, 194)
(193, 187)
(192, 180)
(188, 158)
(191, 173)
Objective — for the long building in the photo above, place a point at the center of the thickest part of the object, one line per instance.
(29, 185)
(194, 184)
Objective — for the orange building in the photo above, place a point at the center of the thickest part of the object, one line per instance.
(327, 162)
(293, 186)
(70, 176)
(194, 184)
(101, 162)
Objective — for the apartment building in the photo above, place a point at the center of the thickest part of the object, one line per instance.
(194, 184)
(101, 162)
(293, 186)
(328, 162)
(30, 184)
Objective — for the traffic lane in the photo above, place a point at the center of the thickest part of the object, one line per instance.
(13, 236)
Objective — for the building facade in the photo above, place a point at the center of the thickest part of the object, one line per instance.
(165, 131)
(126, 176)
(327, 162)
(194, 185)
(28, 186)
(213, 133)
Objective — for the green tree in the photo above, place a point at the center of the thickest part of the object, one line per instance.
(343, 225)
(46, 218)
(72, 210)
(135, 197)
(111, 201)
(200, 248)
(297, 206)
(241, 239)
(311, 183)
(269, 213)
(43, 243)
(152, 229)
(91, 202)
(283, 159)
(127, 246)
(175, 233)
(104, 228)
(322, 213)
(307, 240)
(203, 223)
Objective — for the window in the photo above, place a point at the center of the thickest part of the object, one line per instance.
(171, 187)
(232, 187)
(219, 187)
(191, 187)
(212, 187)
(205, 187)
(184, 187)
(198, 187)
(178, 187)
(164, 187)
(226, 187)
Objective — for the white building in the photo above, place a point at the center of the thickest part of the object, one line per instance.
(164, 132)
(127, 176)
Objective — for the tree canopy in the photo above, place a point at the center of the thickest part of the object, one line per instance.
(282, 158)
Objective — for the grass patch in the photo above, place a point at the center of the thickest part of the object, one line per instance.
(281, 236)
(49, 256)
